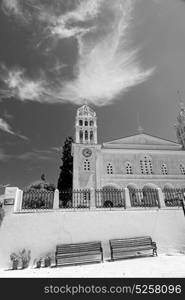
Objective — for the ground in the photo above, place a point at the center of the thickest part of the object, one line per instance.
(164, 265)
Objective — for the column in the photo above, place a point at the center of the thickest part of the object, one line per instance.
(127, 198)
(92, 198)
(18, 200)
(161, 198)
(56, 199)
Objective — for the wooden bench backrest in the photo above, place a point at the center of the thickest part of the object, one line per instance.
(131, 242)
(80, 247)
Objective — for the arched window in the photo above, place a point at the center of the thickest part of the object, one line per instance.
(87, 165)
(182, 169)
(164, 169)
(81, 122)
(91, 135)
(129, 168)
(86, 135)
(81, 136)
(91, 123)
(146, 166)
(86, 123)
(109, 169)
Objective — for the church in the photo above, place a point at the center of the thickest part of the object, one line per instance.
(138, 161)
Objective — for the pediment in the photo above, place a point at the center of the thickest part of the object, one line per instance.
(143, 141)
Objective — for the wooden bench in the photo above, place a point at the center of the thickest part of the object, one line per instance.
(72, 254)
(128, 247)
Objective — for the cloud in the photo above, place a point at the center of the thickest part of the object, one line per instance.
(106, 64)
(3, 155)
(36, 155)
(4, 126)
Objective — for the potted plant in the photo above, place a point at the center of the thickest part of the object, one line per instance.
(25, 257)
(15, 261)
(38, 263)
(47, 260)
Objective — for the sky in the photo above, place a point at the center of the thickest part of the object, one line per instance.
(124, 58)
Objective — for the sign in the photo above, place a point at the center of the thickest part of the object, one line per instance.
(9, 201)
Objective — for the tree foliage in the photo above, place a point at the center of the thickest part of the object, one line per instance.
(65, 179)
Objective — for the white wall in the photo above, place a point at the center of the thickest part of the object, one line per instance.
(40, 232)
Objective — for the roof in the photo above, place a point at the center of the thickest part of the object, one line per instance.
(143, 141)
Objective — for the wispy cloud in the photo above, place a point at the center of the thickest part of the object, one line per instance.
(36, 155)
(106, 65)
(3, 156)
(4, 126)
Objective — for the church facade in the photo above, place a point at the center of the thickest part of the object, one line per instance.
(136, 161)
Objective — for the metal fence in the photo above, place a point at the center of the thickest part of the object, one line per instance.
(78, 199)
(110, 198)
(144, 197)
(33, 199)
(174, 197)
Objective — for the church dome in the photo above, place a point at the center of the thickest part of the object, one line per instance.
(86, 111)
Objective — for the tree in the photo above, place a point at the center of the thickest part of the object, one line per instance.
(65, 179)
(2, 213)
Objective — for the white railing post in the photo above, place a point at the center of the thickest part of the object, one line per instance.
(161, 198)
(127, 198)
(56, 199)
(18, 200)
(92, 198)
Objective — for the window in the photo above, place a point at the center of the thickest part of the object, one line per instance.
(146, 166)
(86, 135)
(80, 122)
(91, 123)
(86, 165)
(129, 168)
(86, 123)
(81, 136)
(91, 135)
(164, 169)
(182, 169)
(109, 169)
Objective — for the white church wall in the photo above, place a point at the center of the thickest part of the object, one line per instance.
(41, 232)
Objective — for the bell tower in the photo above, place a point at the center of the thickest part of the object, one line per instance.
(86, 126)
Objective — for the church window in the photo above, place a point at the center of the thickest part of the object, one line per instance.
(91, 135)
(182, 169)
(86, 135)
(86, 165)
(80, 122)
(86, 123)
(109, 169)
(81, 136)
(91, 123)
(146, 166)
(164, 169)
(129, 168)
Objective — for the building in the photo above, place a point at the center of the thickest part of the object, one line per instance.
(136, 161)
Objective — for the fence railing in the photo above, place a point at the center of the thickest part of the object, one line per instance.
(144, 198)
(174, 197)
(78, 199)
(110, 198)
(33, 199)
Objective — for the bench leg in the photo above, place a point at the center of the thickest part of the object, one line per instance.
(155, 252)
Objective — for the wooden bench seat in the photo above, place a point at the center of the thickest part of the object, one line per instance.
(71, 254)
(128, 247)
